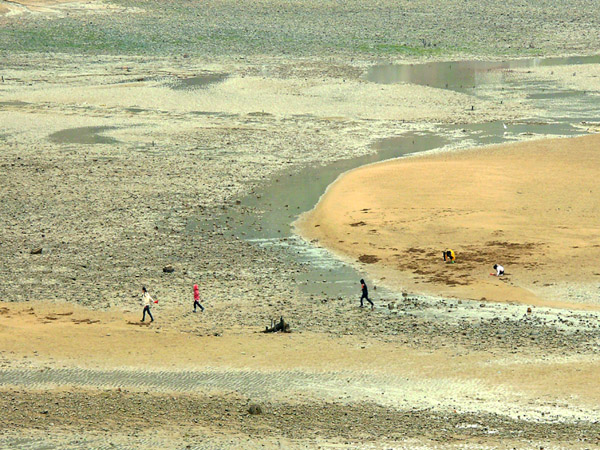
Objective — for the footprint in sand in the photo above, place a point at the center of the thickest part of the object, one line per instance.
(139, 324)
(88, 321)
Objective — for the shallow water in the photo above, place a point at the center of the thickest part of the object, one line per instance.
(13, 103)
(285, 198)
(200, 81)
(83, 135)
(463, 75)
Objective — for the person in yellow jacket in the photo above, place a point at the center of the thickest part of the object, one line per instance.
(449, 256)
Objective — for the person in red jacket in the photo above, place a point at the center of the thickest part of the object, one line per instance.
(197, 298)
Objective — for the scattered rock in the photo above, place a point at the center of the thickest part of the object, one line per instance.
(358, 224)
(255, 410)
(37, 251)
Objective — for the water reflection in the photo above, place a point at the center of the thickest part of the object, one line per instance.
(462, 76)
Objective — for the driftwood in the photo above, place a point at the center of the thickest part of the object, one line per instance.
(278, 326)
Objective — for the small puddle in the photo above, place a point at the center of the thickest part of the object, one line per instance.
(199, 81)
(13, 103)
(135, 110)
(83, 135)
(219, 114)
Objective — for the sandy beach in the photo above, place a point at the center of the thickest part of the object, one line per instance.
(147, 143)
(531, 207)
(82, 373)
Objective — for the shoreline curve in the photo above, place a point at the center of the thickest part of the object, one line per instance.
(531, 206)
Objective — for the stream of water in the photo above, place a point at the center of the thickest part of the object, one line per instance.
(284, 199)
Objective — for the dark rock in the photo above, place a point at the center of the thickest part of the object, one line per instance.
(255, 410)
(168, 269)
(282, 326)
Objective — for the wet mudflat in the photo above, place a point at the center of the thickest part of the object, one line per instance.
(199, 81)
(465, 76)
(83, 135)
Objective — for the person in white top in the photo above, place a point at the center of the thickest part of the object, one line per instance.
(147, 302)
(499, 270)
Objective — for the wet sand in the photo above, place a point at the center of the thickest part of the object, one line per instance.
(531, 207)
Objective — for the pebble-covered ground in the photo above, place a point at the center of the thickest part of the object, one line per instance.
(150, 417)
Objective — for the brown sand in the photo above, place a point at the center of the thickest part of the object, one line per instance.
(51, 334)
(532, 207)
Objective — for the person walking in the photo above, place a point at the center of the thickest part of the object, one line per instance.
(365, 294)
(147, 302)
(197, 299)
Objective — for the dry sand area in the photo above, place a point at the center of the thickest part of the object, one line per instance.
(81, 374)
(531, 207)
(132, 131)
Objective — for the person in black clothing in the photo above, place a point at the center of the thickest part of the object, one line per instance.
(365, 294)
